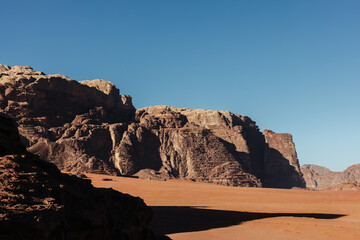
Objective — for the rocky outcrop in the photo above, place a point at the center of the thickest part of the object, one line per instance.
(281, 162)
(88, 127)
(346, 186)
(318, 177)
(39, 202)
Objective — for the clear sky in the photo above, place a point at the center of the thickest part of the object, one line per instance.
(292, 66)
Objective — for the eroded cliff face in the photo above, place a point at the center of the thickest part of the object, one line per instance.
(39, 202)
(88, 127)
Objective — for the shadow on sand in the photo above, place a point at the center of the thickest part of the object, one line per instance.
(169, 219)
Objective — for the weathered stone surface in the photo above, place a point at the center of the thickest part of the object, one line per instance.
(281, 163)
(318, 177)
(88, 127)
(39, 202)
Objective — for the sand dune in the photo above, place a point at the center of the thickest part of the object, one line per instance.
(188, 210)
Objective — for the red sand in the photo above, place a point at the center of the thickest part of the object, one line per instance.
(187, 210)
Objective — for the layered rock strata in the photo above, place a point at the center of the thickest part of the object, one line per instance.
(39, 202)
(88, 127)
(319, 178)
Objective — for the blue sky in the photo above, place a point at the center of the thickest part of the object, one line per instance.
(292, 66)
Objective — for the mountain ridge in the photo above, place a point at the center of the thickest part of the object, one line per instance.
(88, 126)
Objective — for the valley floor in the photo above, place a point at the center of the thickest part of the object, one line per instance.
(197, 211)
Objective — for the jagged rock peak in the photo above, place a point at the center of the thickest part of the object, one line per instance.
(102, 85)
(200, 117)
(316, 168)
(12, 72)
(4, 68)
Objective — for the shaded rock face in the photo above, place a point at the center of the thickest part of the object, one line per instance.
(39, 202)
(88, 127)
(9, 138)
(281, 162)
(318, 177)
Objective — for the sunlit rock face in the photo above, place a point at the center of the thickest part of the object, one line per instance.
(88, 127)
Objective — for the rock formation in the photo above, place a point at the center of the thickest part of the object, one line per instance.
(88, 127)
(346, 186)
(318, 177)
(62, 120)
(39, 202)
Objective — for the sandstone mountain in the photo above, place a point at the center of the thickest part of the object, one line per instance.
(318, 177)
(88, 127)
(39, 202)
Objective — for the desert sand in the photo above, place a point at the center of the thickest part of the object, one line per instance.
(186, 210)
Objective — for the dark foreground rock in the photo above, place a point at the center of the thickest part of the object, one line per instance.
(88, 127)
(39, 202)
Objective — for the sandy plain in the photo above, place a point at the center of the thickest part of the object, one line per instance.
(186, 210)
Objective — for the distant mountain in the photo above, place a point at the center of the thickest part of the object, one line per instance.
(318, 177)
(88, 126)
